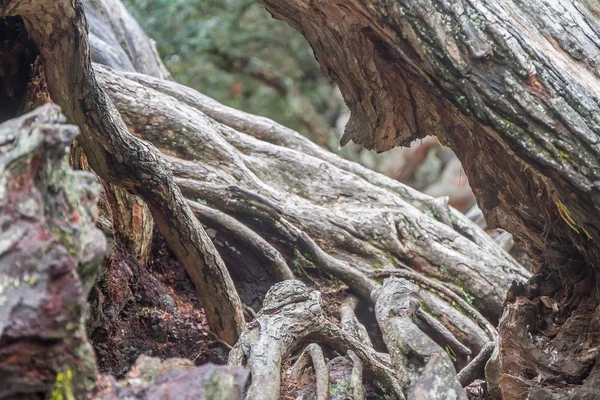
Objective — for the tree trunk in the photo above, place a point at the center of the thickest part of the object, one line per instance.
(276, 206)
(512, 88)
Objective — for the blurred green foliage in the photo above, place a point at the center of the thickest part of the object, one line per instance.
(219, 47)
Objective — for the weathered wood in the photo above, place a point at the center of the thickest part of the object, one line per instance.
(422, 367)
(512, 88)
(60, 32)
(321, 219)
(318, 191)
(117, 40)
(321, 370)
(291, 314)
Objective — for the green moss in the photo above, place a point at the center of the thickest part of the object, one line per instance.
(450, 353)
(309, 263)
(339, 387)
(63, 389)
(563, 155)
(377, 265)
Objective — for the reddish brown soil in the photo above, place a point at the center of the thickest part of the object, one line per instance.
(150, 310)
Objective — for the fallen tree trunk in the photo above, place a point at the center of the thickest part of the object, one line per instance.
(512, 88)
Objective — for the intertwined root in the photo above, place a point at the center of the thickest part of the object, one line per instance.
(416, 368)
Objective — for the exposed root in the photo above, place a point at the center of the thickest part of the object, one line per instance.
(475, 369)
(275, 263)
(444, 335)
(321, 370)
(59, 29)
(444, 292)
(350, 323)
(423, 368)
(291, 314)
(356, 379)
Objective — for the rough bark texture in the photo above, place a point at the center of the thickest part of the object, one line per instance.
(512, 88)
(117, 39)
(60, 33)
(50, 253)
(290, 315)
(422, 366)
(317, 192)
(275, 206)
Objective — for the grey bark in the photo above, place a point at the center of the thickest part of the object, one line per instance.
(290, 315)
(422, 366)
(475, 369)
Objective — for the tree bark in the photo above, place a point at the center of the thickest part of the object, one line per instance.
(512, 88)
(278, 206)
(117, 40)
(60, 32)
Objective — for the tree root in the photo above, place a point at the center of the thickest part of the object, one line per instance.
(356, 378)
(475, 369)
(59, 30)
(290, 315)
(350, 323)
(422, 367)
(321, 370)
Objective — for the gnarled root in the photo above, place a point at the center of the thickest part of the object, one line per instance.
(290, 315)
(421, 365)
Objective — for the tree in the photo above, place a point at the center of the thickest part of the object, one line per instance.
(275, 205)
(511, 87)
